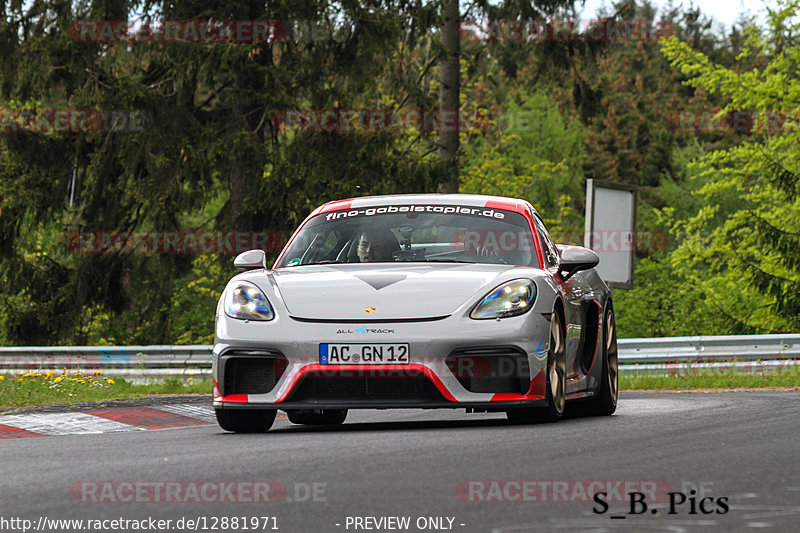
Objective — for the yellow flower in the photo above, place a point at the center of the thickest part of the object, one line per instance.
(2, 378)
(110, 381)
(57, 380)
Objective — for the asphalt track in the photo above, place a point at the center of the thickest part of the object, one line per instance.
(742, 447)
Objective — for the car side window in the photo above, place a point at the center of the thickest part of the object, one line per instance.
(549, 251)
(318, 246)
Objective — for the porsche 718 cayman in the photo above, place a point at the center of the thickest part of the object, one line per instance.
(415, 301)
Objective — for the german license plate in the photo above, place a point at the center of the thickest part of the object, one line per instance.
(363, 354)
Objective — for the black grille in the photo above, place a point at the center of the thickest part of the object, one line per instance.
(252, 372)
(401, 386)
(491, 369)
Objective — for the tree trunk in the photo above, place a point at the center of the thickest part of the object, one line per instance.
(449, 85)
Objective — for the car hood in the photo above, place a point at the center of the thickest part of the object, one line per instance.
(393, 292)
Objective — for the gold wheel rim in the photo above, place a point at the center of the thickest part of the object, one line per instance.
(557, 364)
(612, 361)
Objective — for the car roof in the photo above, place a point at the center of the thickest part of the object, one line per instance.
(470, 200)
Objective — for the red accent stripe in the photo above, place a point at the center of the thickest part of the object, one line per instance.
(507, 204)
(233, 398)
(539, 384)
(537, 242)
(145, 417)
(215, 390)
(366, 368)
(535, 392)
(10, 432)
(513, 396)
(336, 206)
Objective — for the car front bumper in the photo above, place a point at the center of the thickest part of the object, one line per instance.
(453, 362)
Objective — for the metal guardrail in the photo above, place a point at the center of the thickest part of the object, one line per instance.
(709, 348)
(657, 354)
(745, 353)
(153, 361)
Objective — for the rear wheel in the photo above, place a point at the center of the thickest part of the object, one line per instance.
(245, 420)
(556, 372)
(605, 403)
(323, 417)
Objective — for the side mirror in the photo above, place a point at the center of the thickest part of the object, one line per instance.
(250, 260)
(574, 259)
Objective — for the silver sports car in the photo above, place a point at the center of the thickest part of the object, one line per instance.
(415, 301)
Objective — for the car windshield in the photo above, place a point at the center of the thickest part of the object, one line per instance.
(421, 233)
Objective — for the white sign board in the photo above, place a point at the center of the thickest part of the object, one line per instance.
(610, 227)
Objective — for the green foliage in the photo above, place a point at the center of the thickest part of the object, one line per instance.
(536, 154)
(195, 300)
(210, 156)
(741, 246)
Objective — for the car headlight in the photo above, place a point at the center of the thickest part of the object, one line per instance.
(509, 299)
(247, 302)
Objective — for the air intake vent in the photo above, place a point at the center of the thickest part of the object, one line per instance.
(250, 372)
(402, 386)
(491, 369)
(589, 332)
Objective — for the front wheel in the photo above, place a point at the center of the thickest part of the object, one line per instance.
(324, 417)
(605, 403)
(246, 420)
(556, 374)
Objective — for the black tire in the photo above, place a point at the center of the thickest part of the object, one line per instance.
(605, 403)
(246, 420)
(555, 384)
(327, 417)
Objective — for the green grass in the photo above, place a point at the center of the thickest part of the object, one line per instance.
(41, 388)
(712, 379)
